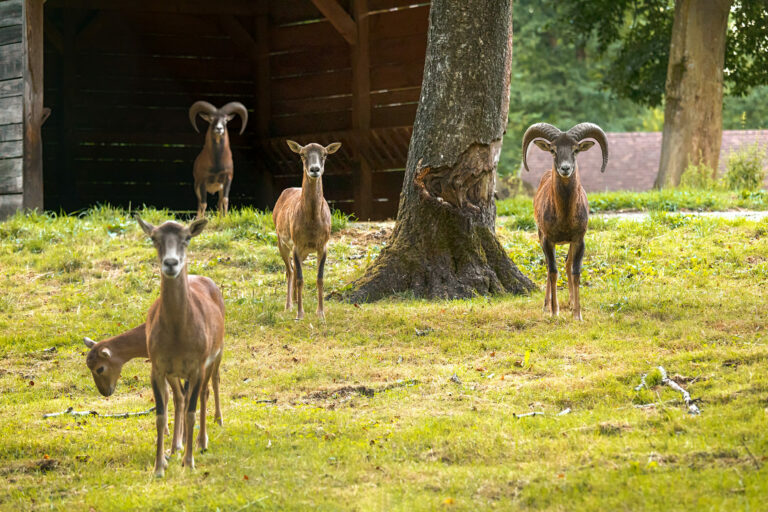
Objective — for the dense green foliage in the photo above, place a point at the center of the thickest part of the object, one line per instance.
(745, 169)
(642, 30)
(565, 73)
(402, 405)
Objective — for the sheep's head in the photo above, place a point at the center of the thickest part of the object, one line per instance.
(218, 118)
(104, 367)
(171, 240)
(564, 146)
(313, 156)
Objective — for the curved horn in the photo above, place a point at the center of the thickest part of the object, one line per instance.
(591, 131)
(238, 108)
(538, 131)
(200, 107)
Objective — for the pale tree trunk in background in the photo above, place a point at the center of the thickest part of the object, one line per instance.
(693, 120)
(444, 243)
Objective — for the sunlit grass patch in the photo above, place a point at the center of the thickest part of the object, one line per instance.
(405, 404)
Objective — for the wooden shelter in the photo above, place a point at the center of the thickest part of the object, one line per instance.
(119, 76)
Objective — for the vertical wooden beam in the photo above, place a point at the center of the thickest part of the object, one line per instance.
(34, 115)
(361, 109)
(264, 100)
(263, 93)
(66, 174)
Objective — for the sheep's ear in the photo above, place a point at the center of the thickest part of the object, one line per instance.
(88, 342)
(295, 146)
(145, 226)
(332, 147)
(205, 117)
(585, 145)
(197, 227)
(105, 353)
(543, 145)
(230, 117)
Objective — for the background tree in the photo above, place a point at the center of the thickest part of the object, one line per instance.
(444, 242)
(686, 51)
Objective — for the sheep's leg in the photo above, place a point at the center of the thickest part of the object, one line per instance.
(568, 266)
(202, 436)
(178, 415)
(160, 391)
(578, 256)
(299, 277)
(549, 255)
(224, 197)
(218, 418)
(320, 272)
(194, 387)
(285, 253)
(202, 199)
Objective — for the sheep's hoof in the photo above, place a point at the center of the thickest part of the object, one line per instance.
(577, 316)
(321, 315)
(219, 421)
(189, 463)
(160, 468)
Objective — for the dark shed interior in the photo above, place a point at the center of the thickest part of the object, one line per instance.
(120, 76)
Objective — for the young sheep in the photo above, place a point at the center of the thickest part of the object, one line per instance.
(106, 358)
(560, 204)
(185, 332)
(303, 223)
(213, 169)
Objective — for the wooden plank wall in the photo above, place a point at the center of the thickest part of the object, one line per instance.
(11, 106)
(120, 83)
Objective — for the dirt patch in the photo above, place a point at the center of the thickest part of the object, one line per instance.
(345, 393)
(42, 466)
(613, 429)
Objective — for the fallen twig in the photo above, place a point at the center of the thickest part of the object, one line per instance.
(689, 402)
(751, 456)
(127, 414)
(527, 414)
(267, 401)
(71, 412)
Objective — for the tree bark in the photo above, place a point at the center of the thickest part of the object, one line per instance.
(693, 121)
(444, 243)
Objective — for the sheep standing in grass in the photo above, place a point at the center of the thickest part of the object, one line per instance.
(560, 205)
(213, 169)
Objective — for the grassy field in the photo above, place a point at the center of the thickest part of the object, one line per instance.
(404, 404)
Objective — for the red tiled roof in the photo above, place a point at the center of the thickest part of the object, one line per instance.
(633, 159)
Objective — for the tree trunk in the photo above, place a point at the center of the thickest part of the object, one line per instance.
(693, 121)
(444, 243)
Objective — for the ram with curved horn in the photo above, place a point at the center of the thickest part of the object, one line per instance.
(560, 205)
(213, 169)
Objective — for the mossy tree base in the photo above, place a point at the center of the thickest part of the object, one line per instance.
(444, 243)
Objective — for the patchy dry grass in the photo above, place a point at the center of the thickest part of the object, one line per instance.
(404, 404)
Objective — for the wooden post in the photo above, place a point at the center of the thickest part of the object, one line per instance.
(361, 109)
(34, 115)
(263, 96)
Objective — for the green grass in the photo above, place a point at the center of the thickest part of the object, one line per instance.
(367, 416)
(667, 200)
